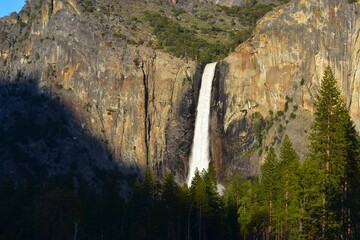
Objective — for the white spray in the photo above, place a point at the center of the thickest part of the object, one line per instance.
(199, 158)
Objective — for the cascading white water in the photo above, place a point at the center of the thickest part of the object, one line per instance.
(199, 158)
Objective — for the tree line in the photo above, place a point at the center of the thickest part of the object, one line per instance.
(155, 209)
(316, 198)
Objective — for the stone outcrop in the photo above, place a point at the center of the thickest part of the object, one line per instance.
(128, 97)
(136, 105)
(236, 2)
(279, 69)
(228, 3)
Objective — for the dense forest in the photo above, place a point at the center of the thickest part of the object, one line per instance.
(293, 198)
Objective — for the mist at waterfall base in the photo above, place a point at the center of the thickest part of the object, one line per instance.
(200, 157)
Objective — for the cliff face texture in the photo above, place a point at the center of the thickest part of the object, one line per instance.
(242, 2)
(133, 102)
(76, 94)
(277, 72)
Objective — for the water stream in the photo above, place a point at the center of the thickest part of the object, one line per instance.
(200, 158)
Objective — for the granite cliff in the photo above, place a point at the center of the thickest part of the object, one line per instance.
(244, 2)
(128, 98)
(268, 83)
(126, 94)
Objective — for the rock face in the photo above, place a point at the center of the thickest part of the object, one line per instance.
(121, 103)
(277, 73)
(238, 2)
(228, 3)
(129, 98)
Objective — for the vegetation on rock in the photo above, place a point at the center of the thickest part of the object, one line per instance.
(200, 32)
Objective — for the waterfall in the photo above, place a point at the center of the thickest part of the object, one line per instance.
(199, 158)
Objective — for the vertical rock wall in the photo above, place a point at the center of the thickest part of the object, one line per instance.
(126, 96)
(281, 67)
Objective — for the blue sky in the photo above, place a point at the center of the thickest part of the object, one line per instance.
(9, 6)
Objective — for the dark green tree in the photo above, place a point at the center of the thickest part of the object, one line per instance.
(57, 213)
(241, 193)
(214, 209)
(351, 204)
(310, 200)
(207, 206)
(170, 196)
(287, 204)
(332, 145)
(236, 188)
(254, 211)
(146, 210)
(199, 201)
(269, 188)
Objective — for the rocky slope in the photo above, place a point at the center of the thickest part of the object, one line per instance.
(121, 103)
(244, 2)
(128, 98)
(277, 72)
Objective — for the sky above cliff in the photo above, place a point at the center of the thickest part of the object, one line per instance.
(9, 6)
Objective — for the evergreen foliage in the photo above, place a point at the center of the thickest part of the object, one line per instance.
(189, 42)
(288, 206)
(182, 42)
(334, 149)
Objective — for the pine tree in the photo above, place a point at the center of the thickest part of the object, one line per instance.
(144, 207)
(198, 194)
(246, 207)
(235, 189)
(268, 172)
(208, 204)
(351, 208)
(214, 208)
(256, 212)
(269, 186)
(311, 200)
(170, 196)
(185, 209)
(288, 193)
(331, 141)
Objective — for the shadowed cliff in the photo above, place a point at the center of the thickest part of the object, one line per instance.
(41, 139)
